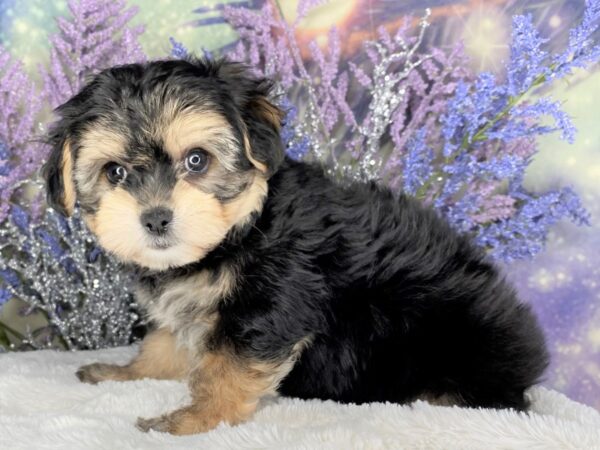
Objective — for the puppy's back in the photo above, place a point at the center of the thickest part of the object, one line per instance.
(417, 306)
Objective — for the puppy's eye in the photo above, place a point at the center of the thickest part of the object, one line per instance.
(115, 173)
(196, 161)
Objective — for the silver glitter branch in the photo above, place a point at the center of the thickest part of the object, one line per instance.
(322, 124)
(313, 129)
(387, 93)
(54, 266)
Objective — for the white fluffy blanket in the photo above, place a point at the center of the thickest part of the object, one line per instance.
(43, 406)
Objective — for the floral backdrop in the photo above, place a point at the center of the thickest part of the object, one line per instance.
(527, 191)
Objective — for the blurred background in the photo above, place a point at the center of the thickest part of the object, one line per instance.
(562, 282)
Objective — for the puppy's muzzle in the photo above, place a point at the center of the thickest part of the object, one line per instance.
(156, 221)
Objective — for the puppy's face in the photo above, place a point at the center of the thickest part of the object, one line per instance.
(165, 158)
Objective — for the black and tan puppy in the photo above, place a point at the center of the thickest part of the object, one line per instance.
(261, 274)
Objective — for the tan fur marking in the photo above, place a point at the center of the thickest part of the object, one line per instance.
(90, 221)
(67, 176)
(168, 111)
(192, 129)
(200, 222)
(159, 358)
(440, 400)
(117, 224)
(238, 211)
(248, 151)
(99, 145)
(188, 306)
(225, 388)
(269, 112)
(199, 219)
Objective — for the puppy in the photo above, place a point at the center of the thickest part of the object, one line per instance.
(260, 274)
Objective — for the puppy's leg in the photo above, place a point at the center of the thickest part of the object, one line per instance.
(225, 388)
(159, 358)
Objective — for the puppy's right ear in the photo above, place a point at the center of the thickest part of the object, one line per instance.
(72, 116)
(58, 174)
(58, 169)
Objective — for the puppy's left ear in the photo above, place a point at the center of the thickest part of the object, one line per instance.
(263, 145)
(58, 173)
(262, 120)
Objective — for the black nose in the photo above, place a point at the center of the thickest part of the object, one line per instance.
(157, 220)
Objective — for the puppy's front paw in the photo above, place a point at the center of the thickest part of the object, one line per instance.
(94, 373)
(188, 420)
(161, 424)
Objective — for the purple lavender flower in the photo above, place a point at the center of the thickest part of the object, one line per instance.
(492, 207)
(266, 43)
(527, 57)
(20, 218)
(332, 89)
(52, 243)
(296, 148)
(96, 37)
(485, 114)
(37, 242)
(86, 300)
(523, 126)
(418, 163)
(4, 160)
(524, 234)
(94, 254)
(20, 155)
(178, 51)
(582, 50)
(10, 277)
(5, 296)
(305, 6)
(454, 121)
(459, 139)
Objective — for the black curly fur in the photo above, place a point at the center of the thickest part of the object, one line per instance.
(390, 302)
(396, 302)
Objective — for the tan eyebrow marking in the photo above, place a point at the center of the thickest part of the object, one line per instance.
(69, 196)
(98, 144)
(204, 129)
